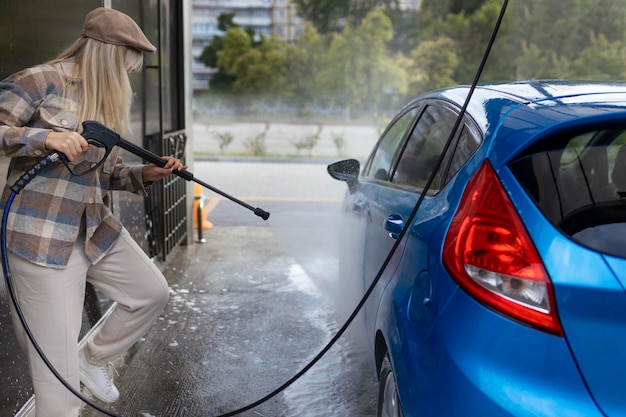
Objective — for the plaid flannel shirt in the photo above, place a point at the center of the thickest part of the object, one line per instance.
(46, 216)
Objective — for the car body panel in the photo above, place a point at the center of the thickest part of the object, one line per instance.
(592, 306)
(373, 213)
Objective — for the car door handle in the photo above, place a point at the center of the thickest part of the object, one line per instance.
(394, 225)
(359, 206)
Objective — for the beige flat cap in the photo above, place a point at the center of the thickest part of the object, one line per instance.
(114, 27)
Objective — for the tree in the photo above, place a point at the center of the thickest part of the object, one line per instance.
(437, 9)
(258, 68)
(382, 74)
(262, 70)
(332, 15)
(360, 68)
(366, 64)
(306, 63)
(435, 63)
(220, 80)
(237, 42)
(323, 14)
(359, 10)
(572, 39)
(465, 6)
(408, 30)
(471, 34)
(608, 62)
(532, 62)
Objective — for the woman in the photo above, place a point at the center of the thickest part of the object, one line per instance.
(60, 230)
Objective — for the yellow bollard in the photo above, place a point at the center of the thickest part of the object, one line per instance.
(198, 209)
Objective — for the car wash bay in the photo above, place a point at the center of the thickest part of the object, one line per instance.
(252, 305)
(249, 308)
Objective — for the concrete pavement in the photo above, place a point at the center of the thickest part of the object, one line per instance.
(248, 309)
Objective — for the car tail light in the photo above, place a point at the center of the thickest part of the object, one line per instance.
(490, 255)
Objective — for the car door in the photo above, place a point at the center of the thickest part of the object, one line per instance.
(393, 181)
(413, 284)
(364, 207)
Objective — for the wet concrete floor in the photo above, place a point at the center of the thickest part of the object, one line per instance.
(251, 306)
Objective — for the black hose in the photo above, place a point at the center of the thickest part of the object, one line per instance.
(410, 219)
(15, 189)
(47, 161)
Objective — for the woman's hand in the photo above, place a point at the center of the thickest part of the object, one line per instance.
(71, 144)
(152, 172)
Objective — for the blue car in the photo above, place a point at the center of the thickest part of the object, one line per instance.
(502, 292)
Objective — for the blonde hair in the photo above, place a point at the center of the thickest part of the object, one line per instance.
(100, 83)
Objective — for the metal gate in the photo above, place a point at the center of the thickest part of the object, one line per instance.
(166, 208)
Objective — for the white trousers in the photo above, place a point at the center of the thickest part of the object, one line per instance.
(52, 303)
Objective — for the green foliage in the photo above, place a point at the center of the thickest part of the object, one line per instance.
(330, 15)
(436, 62)
(224, 79)
(576, 39)
(323, 14)
(359, 68)
(224, 139)
(237, 43)
(219, 81)
(436, 9)
(378, 57)
(308, 142)
(609, 63)
(306, 62)
(465, 6)
(255, 145)
(340, 143)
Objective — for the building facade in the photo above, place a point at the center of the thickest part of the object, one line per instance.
(410, 4)
(286, 24)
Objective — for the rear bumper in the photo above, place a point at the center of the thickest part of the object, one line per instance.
(474, 362)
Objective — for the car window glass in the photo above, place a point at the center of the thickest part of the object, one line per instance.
(419, 158)
(581, 187)
(380, 163)
(468, 142)
(575, 146)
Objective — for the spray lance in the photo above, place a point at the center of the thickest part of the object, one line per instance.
(108, 138)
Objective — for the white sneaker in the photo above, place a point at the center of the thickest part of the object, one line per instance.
(97, 379)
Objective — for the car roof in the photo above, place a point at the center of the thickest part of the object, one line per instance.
(519, 112)
(536, 91)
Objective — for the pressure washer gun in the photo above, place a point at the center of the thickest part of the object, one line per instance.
(108, 138)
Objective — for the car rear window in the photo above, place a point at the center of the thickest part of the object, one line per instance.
(579, 183)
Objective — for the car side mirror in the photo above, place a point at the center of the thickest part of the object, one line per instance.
(346, 170)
